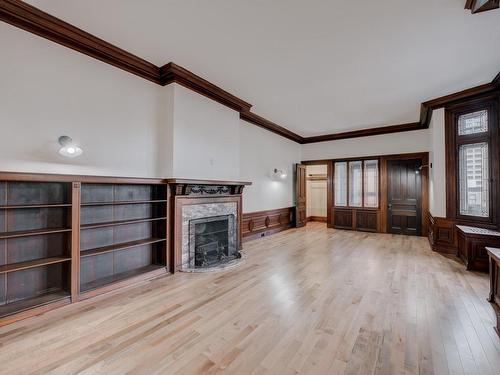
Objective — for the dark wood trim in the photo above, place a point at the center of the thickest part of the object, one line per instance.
(381, 209)
(491, 102)
(329, 186)
(34, 311)
(363, 133)
(320, 219)
(32, 19)
(75, 240)
(191, 181)
(172, 72)
(132, 281)
(442, 235)
(478, 6)
(424, 174)
(71, 258)
(264, 223)
(29, 18)
(271, 126)
(41, 177)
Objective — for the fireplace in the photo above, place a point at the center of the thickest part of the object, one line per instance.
(206, 223)
(212, 241)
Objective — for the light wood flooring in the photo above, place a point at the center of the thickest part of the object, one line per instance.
(308, 301)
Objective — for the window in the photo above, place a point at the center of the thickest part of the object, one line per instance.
(474, 188)
(371, 183)
(472, 146)
(475, 122)
(340, 184)
(356, 183)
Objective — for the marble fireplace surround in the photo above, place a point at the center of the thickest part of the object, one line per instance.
(202, 211)
(194, 199)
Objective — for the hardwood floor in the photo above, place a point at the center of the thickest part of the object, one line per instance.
(308, 301)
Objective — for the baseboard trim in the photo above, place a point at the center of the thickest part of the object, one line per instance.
(321, 219)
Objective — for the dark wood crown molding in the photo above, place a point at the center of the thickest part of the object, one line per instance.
(477, 6)
(205, 182)
(363, 132)
(31, 19)
(271, 126)
(172, 72)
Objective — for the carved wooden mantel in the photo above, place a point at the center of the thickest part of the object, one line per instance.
(183, 186)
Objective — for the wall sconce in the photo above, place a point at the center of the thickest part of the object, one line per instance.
(68, 148)
(279, 174)
(422, 167)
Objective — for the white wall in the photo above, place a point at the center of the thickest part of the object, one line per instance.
(130, 127)
(260, 152)
(47, 90)
(126, 125)
(206, 138)
(437, 174)
(397, 143)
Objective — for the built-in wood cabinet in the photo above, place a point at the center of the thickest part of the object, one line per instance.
(35, 244)
(66, 238)
(122, 232)
(472, 243)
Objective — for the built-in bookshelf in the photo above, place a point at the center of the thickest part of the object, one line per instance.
(35, 244)
(123, 232)
(64, 238)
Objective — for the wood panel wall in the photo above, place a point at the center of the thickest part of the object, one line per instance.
(263, 223)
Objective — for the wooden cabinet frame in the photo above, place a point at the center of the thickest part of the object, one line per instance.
(74, 187)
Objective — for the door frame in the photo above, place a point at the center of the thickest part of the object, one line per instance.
(424, 186)
(424, 174)
(329, 186)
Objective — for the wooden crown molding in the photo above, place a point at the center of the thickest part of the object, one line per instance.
(363, 133)
(31, 19)
(271, 126)
(477, 6)
(172, 72)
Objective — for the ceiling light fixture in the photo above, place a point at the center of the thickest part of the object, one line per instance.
(68, 148)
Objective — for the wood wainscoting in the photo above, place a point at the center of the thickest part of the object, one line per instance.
(443, 235)
(263, 223)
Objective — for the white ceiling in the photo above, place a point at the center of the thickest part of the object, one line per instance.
(312, 66)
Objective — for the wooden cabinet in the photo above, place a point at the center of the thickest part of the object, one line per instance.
(65, 238)
(366, 220)
(494, 298)
(472, 243)
(122, 232)
(342, 218)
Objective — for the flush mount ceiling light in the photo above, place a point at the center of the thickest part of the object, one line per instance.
(69, 149)
(279, 174)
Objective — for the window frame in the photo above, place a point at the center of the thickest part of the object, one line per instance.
(453, 143)
(362, 160)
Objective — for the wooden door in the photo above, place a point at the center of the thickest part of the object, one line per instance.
(404, 190)
(300, 196)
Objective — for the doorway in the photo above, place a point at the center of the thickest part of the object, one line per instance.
(312, 192)
(404, 196)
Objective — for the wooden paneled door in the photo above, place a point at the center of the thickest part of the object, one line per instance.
(404, 195)
(300, 196)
